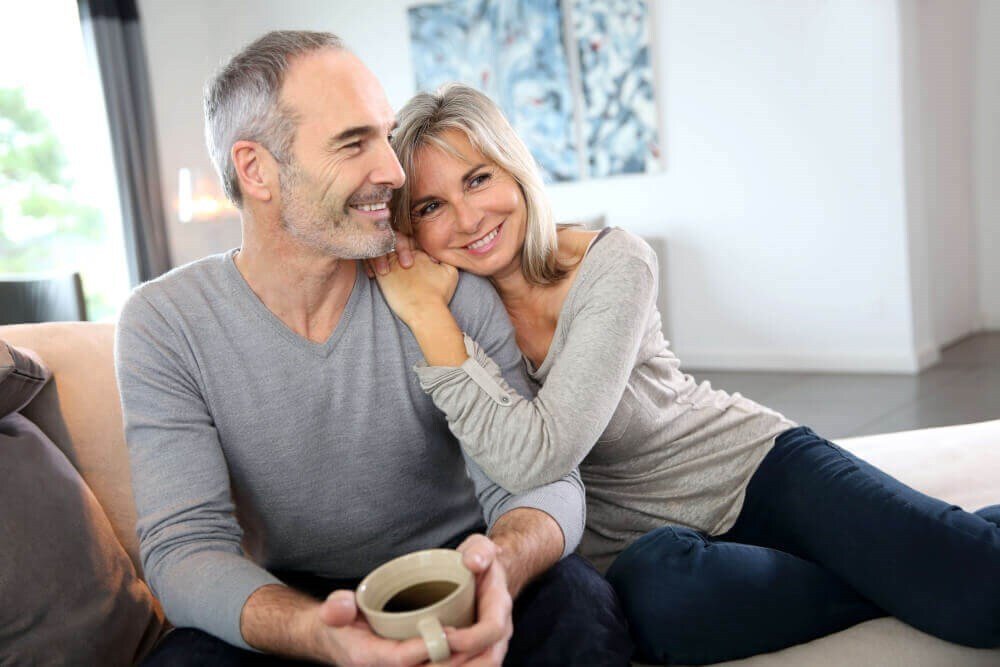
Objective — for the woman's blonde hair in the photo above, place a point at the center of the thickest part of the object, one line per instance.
(428, 116)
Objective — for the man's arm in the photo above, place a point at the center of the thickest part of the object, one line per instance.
(560, 507)
(529, 532)
(289, 623)
(530, 543)
(190, 540)
(525, 542)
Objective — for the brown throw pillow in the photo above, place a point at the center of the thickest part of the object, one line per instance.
(22, 375)
(69, 594)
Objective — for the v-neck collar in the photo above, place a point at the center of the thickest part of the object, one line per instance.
(543, 368)
(249, 297)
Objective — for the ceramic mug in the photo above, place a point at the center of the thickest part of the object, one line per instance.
(416, 595)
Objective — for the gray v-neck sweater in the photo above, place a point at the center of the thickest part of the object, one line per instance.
(654, 446)
(255, 449)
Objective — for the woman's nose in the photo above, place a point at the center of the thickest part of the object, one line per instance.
(468, 219)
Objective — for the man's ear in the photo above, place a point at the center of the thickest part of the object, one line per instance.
(256, 170)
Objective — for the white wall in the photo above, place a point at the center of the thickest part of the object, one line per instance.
(987, 160)
(939, 82)
(785, 196)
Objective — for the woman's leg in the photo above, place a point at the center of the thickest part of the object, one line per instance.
(930, 564)
(693, 600)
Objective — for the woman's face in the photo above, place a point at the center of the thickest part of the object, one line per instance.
(466, 212)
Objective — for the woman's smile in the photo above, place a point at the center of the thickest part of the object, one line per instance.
(486, 243)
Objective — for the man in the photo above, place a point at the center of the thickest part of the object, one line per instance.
(280, 444)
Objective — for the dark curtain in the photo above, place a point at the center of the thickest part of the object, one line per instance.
(111, 30)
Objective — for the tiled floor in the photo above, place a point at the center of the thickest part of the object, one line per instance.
(963, 387)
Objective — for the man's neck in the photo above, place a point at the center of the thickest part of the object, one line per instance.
(306, 290)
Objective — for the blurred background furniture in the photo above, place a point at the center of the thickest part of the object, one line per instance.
(31, 299)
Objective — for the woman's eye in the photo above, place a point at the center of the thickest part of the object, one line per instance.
(353, 145)
(427, 209)
(478, 180)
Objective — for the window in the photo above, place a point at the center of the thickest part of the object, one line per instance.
(59, 208)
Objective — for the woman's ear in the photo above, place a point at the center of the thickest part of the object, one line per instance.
(256, 170)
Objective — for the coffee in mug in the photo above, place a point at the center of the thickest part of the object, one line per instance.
(416, 595)
(419, 596)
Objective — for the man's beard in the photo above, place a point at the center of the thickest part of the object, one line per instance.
(329, 227)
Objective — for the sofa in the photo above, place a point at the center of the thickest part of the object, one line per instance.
(80, 413)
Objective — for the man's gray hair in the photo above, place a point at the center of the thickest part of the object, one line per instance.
(242, 101)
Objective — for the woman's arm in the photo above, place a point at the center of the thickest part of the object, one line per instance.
(524, 443)
(419, 296)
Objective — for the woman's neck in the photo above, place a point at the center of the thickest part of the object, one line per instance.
(521, 296)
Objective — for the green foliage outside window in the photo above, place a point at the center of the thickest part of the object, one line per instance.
(42, 227)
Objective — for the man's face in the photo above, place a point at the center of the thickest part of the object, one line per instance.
(335, 192)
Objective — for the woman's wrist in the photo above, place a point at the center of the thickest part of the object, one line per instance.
(428, 316)
(439, 337)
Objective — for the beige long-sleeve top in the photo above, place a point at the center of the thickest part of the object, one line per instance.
(654, 446)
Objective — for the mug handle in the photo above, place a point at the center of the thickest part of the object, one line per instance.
(434, 638)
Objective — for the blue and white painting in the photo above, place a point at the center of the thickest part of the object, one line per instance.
(513, 51)
(583, 102)
(619, 124)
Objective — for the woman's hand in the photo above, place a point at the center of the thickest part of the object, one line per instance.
(423, 289)
(405, 245)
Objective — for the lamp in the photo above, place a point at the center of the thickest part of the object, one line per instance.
(199, 199)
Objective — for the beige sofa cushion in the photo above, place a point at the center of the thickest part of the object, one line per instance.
(82, 399)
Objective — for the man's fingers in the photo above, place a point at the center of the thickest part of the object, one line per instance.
(494, 611)
(381, 264)
(407, 652)
(339, 609)
(478, 553)
(492, 627)
(491, 657)
(362, 647)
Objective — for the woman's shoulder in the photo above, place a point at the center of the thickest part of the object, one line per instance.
(616, 249)
(619, 267)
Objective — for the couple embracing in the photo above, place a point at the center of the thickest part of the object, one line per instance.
(294, 420)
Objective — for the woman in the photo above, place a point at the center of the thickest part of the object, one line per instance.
(726, 529)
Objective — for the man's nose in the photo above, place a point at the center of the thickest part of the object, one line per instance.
(387, 170)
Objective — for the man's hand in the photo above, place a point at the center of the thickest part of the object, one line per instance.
(280, 620)
(354, 642)
(484, 643)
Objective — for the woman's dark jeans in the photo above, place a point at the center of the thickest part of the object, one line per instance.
(568, 616)
(824, 541)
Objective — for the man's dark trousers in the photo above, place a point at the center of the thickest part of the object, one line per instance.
(568, 616)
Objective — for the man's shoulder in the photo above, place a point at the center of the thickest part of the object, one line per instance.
(476, 304)
(474, 294)
(177, 287)
(469, 284)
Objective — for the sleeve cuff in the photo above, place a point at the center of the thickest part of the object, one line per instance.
(478, 367)
(561, 500)
(210, 594)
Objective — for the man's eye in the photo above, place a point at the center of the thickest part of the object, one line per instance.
(353, 145)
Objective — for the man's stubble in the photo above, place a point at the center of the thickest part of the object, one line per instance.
(328, 227)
